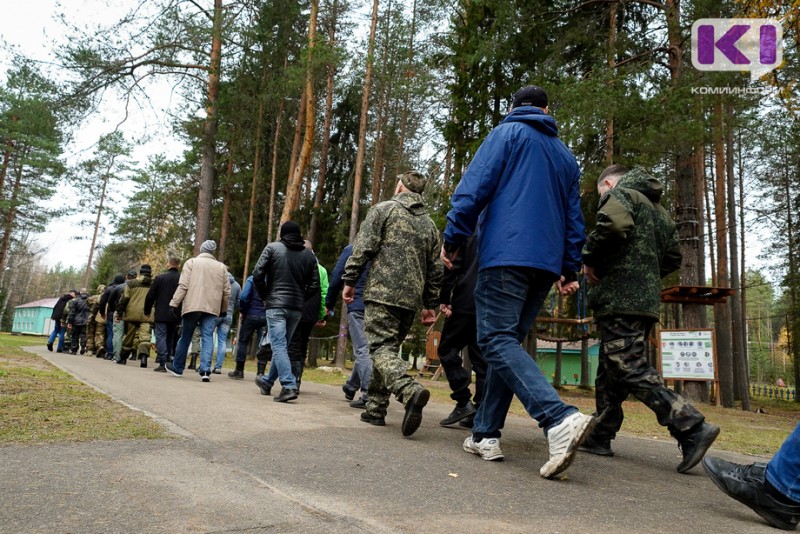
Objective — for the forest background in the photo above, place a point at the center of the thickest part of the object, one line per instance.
(312, 108)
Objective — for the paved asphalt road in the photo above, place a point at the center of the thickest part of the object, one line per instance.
(239, 462)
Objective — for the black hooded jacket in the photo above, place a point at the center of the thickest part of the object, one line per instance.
(286, 274)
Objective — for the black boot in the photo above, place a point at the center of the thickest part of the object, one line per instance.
(261, 367)
(193, 361)
(694, 443)
(297, 371)
(238, 373)
(142, 360)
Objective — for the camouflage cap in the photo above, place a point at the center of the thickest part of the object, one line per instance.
(101, 288)
(414, 181)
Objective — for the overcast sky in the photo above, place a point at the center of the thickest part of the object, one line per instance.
(31, 28)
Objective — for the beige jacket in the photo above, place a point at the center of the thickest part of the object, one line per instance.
(203, 286)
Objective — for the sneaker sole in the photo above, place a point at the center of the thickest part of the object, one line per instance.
(173, 373)
(206, 379)
(413, 416)
(572, 450)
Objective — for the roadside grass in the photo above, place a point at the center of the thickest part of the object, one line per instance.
(742, 432)
(39, 403)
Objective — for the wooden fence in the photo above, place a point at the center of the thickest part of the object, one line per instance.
(774, 392)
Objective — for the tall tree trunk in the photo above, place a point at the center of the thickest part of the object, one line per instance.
(687, 203)
(326, 131)
(362, 142)
(792, 319)
(406, 94)
(743, 270)
(206, 192)
(722, 312)
(254, 182)
(273, 179)
(293, 190)
(740, 382)
(707, 192)
(612, 62)
(226, 201)
(298, 132)
(384, 95)
(106, 177)
(11, 214)
(6, 158)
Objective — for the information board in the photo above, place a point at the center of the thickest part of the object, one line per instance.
(688, 354)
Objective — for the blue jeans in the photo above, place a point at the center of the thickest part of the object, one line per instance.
(190, 321)
(783, 471)
(110, 335)
(223, 326)
(507, 301)
(59, 331)
(281, 324)
(362, 366)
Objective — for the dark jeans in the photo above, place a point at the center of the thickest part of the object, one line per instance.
(78, 335)
(507, 301)
(58, 331)
(166, 338)
(110, 334)
(251, 324)
(623, 370)
(298, 348)
(459, 332)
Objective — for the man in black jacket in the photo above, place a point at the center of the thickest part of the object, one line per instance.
(459, 332)
(106, 311)
(77, 321)
(56, 316)
(285, 276)
(119, 324)
(166, 325)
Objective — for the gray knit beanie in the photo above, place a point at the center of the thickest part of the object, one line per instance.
(208, 246)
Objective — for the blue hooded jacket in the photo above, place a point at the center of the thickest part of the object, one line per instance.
(336, 284)
(522, 190)
(250, 303)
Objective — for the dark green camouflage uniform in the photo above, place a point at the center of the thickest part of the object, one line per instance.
(633, 245)
(402, 242)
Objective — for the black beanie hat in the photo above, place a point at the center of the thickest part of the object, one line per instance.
(145, 269)
(118, 279)
(290, 227)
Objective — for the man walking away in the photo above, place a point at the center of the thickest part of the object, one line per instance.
(285, 276)
(459, 333)
(402, 242)
(362, 364)
(202, 296)
(131, 308)
(522, 189)
(107, 313)
(254, 320)
(633, 246)
(166, 326)
(77, 321)
(223, 325)
(57, 316)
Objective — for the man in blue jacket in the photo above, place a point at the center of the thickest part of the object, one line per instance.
(362, 364)
(522, 191)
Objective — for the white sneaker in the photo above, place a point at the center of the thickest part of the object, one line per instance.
(564, 440)
(487, 448)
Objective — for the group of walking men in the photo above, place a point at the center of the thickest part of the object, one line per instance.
(515, 229)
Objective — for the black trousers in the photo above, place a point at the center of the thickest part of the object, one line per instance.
(251, 324)
(460, 332)
(298, 347)
(78, 335)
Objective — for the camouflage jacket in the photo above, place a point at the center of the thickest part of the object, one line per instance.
(403, 244)
(632, 247)
(131, 304)
(94, 307)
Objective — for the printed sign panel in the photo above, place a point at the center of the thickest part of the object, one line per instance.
(687, 354)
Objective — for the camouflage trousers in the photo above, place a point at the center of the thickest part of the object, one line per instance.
(99, 337)
(91, 330)
(136, 338)
(386, 327)
(623, 370)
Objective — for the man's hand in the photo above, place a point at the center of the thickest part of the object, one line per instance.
(446, 309)
(117, 318)
(566, 289)
(349, 294)
(174, 312)
(69, 326)
(591, 276)
(223, 315)
(448, 257)
(321, 323)
(428, 317)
